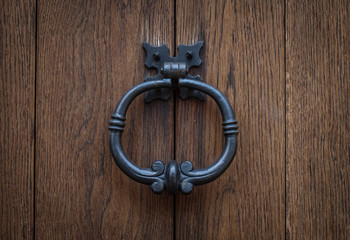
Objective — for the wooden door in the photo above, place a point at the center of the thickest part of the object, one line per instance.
(283, 65)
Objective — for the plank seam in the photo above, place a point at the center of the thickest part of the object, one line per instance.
(35, 112)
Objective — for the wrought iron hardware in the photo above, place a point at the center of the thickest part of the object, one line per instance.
(173, 73)
(173, 68)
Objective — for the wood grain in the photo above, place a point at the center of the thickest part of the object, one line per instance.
(89, 55)
(243, 56)
(318, 113)
(17, 84)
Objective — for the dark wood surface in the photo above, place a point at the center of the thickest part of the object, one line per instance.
(283, 65)
(318, 119)
(17, 92)
(243, 57)
(89, 55)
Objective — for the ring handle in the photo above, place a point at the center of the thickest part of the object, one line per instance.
(172, 176)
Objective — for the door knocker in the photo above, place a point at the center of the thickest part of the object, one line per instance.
(173, 72)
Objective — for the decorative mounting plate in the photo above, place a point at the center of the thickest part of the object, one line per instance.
(159, 58)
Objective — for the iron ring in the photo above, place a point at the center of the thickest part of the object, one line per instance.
(173, 176)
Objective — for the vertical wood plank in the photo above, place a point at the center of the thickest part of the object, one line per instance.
(89, 55)
(318, 113)
(17, 89)
(243, 56)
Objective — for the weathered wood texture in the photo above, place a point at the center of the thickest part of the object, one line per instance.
(318, 119)
(243, 57)
(291, 94)
(17, 86)
(89, 55)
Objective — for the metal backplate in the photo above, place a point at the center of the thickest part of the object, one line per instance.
(157, 56)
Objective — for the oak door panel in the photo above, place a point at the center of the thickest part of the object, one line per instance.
(17, 114)
(283, 65)
(89, 55)
(318, 113)
(243, 56)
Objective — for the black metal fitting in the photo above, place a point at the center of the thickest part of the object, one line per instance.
(173, 68)
(173, 176)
